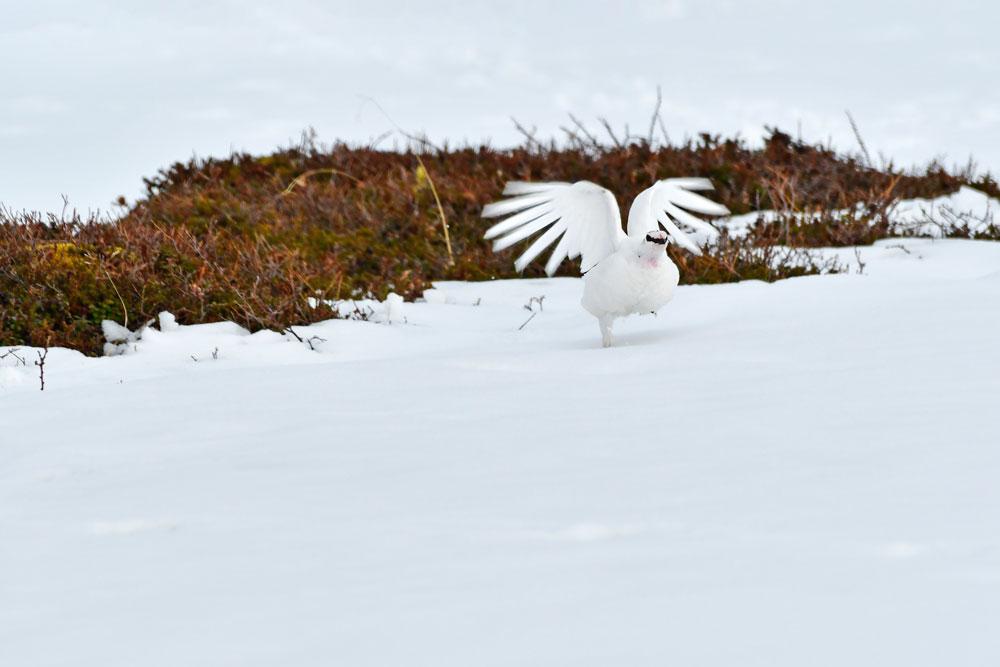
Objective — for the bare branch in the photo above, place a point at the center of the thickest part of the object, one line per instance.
(307, 341)
(379, 139)
(655, 117)
(40, 362)
(611, 133)
(530, 306)
(420, 139)
(529, 137)
(857, 257)
(861, 142)
(591, 138)
(574, 138)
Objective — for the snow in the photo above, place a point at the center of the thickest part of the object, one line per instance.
(115, 333)
(394, 308)
(795, 473)
(930, 217)
(168, 322)
(966, 207)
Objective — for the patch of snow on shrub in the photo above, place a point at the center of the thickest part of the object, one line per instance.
(394, 308)
(967, 208)
(168, 322)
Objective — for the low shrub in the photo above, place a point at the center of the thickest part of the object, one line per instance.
(251, 238)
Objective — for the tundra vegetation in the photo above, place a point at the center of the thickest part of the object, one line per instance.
(273, 241)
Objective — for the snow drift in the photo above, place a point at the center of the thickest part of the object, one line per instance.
(793, 473)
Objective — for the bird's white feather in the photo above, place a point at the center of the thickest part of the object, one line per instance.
(667, 192)
(506, 225)
(692, 183)
(514, 204)
(624, 274)
(525, 187)
(663, 205)
(539, 245)
(583, 217)
(557, 257)
(692, 221)
(679, 237)
(526, 230)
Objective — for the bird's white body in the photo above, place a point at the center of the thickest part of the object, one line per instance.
(639, 278)
(623, 273)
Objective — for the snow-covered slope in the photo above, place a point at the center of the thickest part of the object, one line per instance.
(800, 473)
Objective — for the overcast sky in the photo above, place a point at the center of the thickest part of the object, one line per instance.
(97, 94)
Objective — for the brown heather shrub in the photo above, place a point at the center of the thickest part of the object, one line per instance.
(228, 239)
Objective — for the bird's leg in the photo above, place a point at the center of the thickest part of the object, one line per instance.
(605, 323)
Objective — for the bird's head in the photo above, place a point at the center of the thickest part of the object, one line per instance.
(654, 244)
(659, 237)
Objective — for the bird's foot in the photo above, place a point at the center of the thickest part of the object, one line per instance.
(607, 339)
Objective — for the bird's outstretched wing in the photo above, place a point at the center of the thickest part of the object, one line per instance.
(582, 216)
(668, 203)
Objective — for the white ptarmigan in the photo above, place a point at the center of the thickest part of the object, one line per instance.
(623, 273)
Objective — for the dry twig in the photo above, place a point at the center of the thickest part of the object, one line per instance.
(40, 362)
(857, 135)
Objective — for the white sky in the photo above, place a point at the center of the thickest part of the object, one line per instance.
(97, 94)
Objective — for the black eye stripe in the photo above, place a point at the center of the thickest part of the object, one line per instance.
(658, 241)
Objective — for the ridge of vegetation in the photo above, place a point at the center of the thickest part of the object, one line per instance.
(251, 238)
